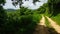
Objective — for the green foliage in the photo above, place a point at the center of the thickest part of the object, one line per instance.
(2, 13)
(2, 2)
(53, 7)
(23, 21)
(56, 19)
(20, 22)
(25, 11)
(3, 16)
(22, 10)
(15, 2)
(43, 8)
(35, 1)
(47, 23)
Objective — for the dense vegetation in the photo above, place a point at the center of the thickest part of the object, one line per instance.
(23, 20)
(54, 7)
(54, 10)
(19, 22)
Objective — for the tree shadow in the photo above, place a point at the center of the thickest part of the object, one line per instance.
(40, 29)
(56, 9)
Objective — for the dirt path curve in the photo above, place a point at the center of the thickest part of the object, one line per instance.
(41, 27)
(54, 25)
(42, 21)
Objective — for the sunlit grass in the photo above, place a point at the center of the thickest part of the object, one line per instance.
(47, 22)
(57, 19)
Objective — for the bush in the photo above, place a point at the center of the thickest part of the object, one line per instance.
(21, 23)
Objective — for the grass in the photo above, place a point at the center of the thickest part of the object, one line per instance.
(47, 22)
(50, 29)
(37, 17)
(56, 19)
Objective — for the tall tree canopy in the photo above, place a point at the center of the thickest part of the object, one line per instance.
(2, 13)
(20, 2)
(2, 2)
(54, 7)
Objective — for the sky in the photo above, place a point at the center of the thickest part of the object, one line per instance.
(29, 4)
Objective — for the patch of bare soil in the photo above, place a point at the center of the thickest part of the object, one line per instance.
(41, 27)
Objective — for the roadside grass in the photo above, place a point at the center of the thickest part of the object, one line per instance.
(56, 19)
(37, 17)
(50, 29)
(30, 20)
(47, 22)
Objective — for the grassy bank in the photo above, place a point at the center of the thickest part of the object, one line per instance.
(56, 19)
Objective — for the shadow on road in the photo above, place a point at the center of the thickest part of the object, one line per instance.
(44, 30)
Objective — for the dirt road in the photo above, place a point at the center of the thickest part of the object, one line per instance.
(41, 27)
(54, 24)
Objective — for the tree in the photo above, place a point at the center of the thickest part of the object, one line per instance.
(43, 8)
(2, 2)
(2, 13)
(3, 16)
(15, 2)
(54, 7)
